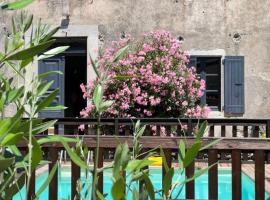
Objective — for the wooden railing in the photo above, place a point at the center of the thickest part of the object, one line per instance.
(236, 146)
(217, 127)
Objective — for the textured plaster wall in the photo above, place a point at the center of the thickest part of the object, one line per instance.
(205, 25)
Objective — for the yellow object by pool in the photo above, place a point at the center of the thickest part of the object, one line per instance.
(157, 160)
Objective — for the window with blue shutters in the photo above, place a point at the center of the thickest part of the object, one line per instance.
(234, 98)
(208, 68)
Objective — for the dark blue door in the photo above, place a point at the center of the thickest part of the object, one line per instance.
(54, 64)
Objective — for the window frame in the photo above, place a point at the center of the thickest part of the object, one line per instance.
(203, 75)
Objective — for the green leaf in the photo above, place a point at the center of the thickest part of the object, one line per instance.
(36, 154)
(25, 63)
(57, 138)
(149, 186)
(47, 101)
(28, 23)
(49, 35)
(182, 153)
(167, 183)
(58, 107)
(201, 130)
(100, 196)
(14, 68)
(16, 187)
(19, 4)
(14, 94)
(12, 139)
(43, 88)
(14, 150)
(41, 76)
(118, 189)
(2, 101)
(121, 159)
(41, 127)
(5, 126)
(138, 175)
(134, 165)
(94, 65)
(137, 125)
(105, 105)
(123, 77)
(30, 52)
(120, 53)
(53, 52)
(164, 162)
(199, 173)
(6, 163)
(23, 126)
(97, 96)
(14, 28)
(8, 125)
(191, 153)
(213, 143)
(74, 157)
(47, 181)
(135, 194)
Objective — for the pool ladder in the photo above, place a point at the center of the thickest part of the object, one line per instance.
(63, 156)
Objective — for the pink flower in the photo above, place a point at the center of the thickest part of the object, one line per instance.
(81, 127)
(154, 128)
(141, 53)
(139, 99)
(83, 88)
(140, 59)
(184, 103)
(184, 127)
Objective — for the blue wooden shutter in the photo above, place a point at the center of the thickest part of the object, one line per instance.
(234, 98)
(54, 64)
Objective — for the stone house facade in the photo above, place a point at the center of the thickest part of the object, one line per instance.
(229, 40)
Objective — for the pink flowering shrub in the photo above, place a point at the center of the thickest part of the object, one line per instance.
(151, 80)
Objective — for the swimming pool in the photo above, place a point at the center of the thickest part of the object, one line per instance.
(201, 185)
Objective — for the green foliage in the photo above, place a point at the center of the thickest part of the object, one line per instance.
(47, 181)
(29, 99)
(118, 189)
(16, 4)
(29, 53)
(120, 53)
(137, 165)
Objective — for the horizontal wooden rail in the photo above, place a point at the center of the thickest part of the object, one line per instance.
(160, 121)
(170, 142)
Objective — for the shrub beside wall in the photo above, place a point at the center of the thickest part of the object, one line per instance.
(151, 79)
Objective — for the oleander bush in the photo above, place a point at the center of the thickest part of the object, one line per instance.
(149, 78)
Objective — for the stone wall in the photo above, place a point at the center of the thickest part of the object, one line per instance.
(235, 27)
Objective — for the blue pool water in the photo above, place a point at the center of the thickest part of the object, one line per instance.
(201, 185)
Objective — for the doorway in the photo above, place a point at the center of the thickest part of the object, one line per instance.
(75, 74)
(73, 64)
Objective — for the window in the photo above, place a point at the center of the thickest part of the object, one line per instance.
(208, 69)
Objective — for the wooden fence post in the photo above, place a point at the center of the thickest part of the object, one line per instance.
(190, 186)
(259, 175)
(75, 176)
(236, 175)
(213, 174)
